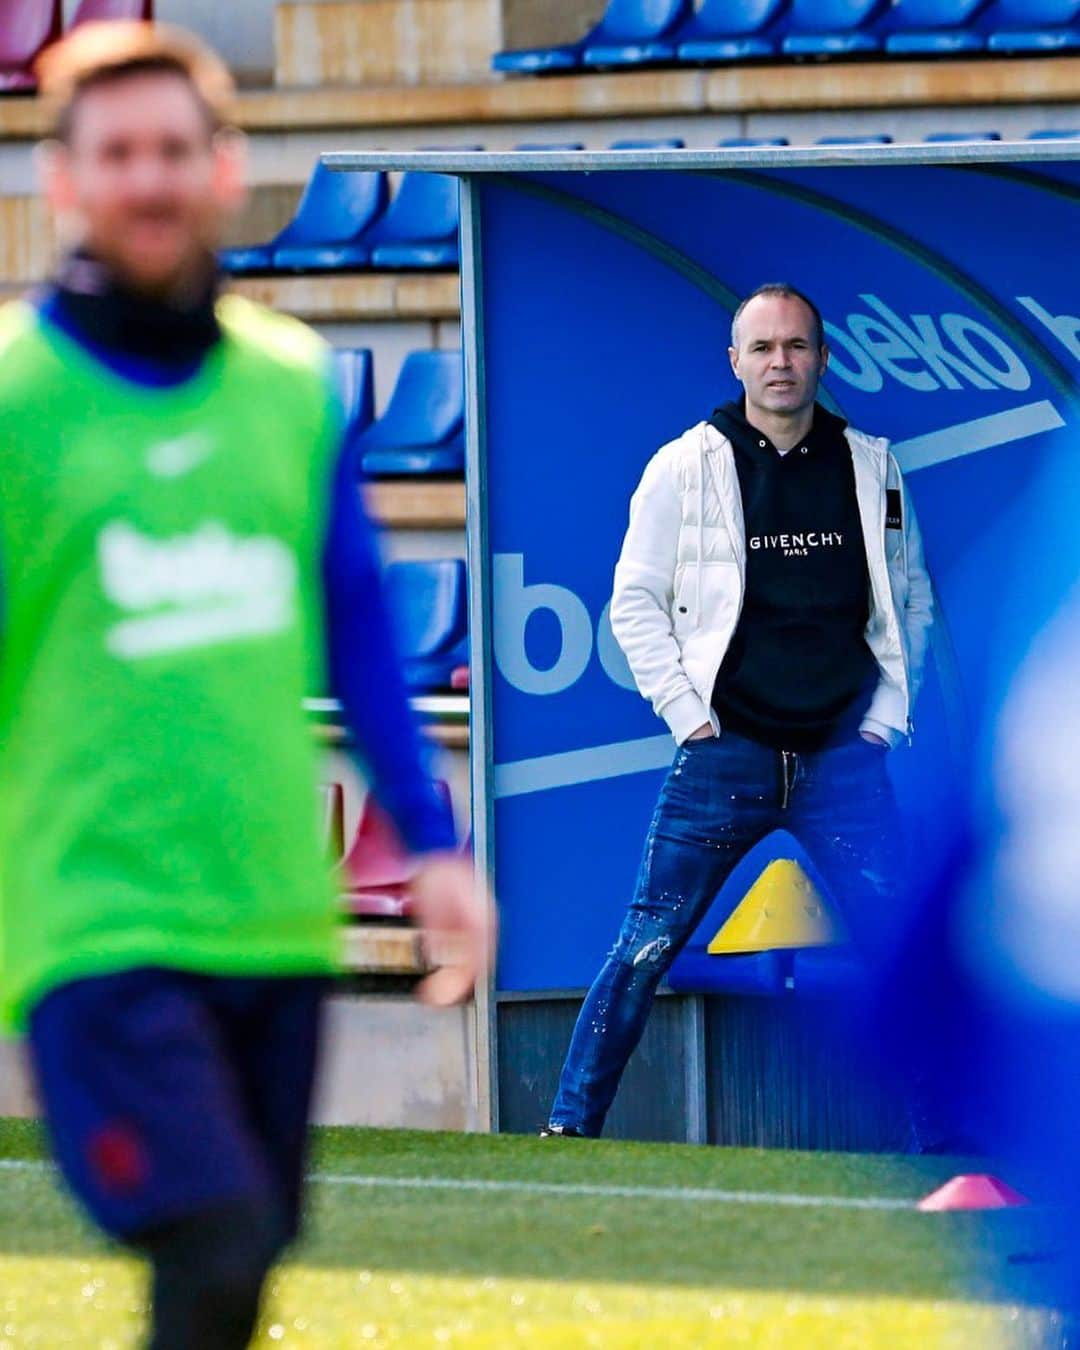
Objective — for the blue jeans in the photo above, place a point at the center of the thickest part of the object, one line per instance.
(721, 796)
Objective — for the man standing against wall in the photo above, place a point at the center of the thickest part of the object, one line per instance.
(183, 557)
(773, 605)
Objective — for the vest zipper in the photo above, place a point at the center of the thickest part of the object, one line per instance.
(900, 645)
(789, 766)
(738, 547)
(892, 618)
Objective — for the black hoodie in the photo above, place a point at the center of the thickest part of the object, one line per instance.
(798, 674)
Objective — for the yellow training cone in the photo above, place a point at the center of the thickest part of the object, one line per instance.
(781, 909)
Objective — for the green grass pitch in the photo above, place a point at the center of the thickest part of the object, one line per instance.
(577, 1244)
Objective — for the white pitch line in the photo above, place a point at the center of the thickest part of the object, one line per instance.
(693, 1194)
(681, 1193)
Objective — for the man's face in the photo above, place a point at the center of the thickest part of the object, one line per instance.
(143, 181)
(778, 359)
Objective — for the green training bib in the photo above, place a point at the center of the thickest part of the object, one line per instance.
(162, 618)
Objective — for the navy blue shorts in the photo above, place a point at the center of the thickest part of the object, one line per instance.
(167, 1093)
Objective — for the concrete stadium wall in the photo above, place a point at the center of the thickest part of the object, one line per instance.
(387, 1062)
(390, 1062)
(384, 42)
(413, 41)
(537, 23)
(243, 32)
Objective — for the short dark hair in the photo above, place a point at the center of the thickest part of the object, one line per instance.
(784, 291)
(96, 54)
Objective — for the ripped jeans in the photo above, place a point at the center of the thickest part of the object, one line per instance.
(721, 797)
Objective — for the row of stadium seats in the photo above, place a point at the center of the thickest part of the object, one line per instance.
(427, 600)
(27, 27)
(752, 142)
(650, 32)
(422, 431)
(348, 221)
(655, 32)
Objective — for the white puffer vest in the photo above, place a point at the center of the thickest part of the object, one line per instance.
(680, 579)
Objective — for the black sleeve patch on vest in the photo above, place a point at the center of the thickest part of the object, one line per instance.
(894, 511)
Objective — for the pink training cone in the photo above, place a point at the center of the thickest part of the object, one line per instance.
(972, 1191)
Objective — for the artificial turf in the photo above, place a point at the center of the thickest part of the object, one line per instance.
(390, 1265)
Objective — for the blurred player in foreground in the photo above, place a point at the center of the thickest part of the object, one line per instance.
(984, 993)
(183, 557)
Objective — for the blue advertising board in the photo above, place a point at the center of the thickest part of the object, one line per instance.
(602, 310)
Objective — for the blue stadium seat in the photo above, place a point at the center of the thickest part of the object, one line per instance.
(422, 430)
(671, 143)
(538, 60)
(729, 30)
(1054, 135)
(550, 145)
(325, 232)
(1018, 26)
(831, 28)
(752, 142)
(631, 32)
(854, 140)
(635, 33)
(429, 607)
(933, 27)
(244, 260)
(354, 369)
(950, 137)
(420, 228)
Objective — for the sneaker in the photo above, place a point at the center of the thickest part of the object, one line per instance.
(563, 1131)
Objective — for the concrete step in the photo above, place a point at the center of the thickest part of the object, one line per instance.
(27, 257)
(28, 243)
(337, 297)
(419, 505)
(450, 736)
(990, 83)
